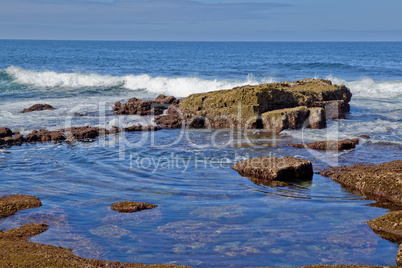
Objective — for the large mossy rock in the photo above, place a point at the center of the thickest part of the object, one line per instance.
(243, 106)
(9, 205)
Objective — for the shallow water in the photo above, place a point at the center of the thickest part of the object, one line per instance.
(207, 214)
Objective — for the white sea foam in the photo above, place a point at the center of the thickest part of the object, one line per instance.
(367, 87)
(177, 86)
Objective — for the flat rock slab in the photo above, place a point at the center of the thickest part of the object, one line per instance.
(276, 168)
(383, 182)
(388, 226)
(330, 145)
(130, 206)
(9, 205)
(38, 107)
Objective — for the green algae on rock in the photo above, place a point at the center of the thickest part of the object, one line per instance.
(382, 182)
(242, 106)
(388, 226)
(9, 205)
(285, 169)
(131, 206)
(330, 145)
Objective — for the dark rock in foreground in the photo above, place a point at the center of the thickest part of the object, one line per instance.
(388, 226)
(44, 135)
(382, 182)
(173, 119)
(399, 256)
(9, 205)
(130, 206)
(38, 107)
(330, 145)
(276, 168)
(5, 132)
(142, 128)
(84, 133)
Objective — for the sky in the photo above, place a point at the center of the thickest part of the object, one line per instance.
(202, 20)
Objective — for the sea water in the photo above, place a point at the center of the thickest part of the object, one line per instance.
(207, 214)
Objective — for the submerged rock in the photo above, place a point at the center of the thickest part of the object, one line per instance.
(9, 205)
(243, 106)
(388, 226)
(38, 107)
(382, 182)
(142, 128)
(330, 145)
(276, 168)
(130, 206)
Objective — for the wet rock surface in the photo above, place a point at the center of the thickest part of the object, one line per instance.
(131, 206)
(285, 169)
(16, 251)
(171, 120)
(38, 107)
(382, 182)
(330, 145)
(399, 256)
(9, 205)
(86, 133)
(388, 226)
(242, 106)
(142, 128)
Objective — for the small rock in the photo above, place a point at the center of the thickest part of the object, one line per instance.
(330, 145)
(5, 132)
(364, 136)
(136, 106)
(9, 205)
(130, 206)
(276, 168)
(84, 133)
(165, 99)
(38, 107)
(399, 256)
(171, 120)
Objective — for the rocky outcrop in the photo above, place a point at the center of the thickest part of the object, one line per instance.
(285, 169)
(382, 182)
(172, 119)
(388, 226)
(399, 256)
(86, 133)
(136, 106)
(330, 145)
(334, 109)
(38, 107)
(44, 135)
(243, 106)
(130, 206)
(5, 132)
(9, 205)
(142, 128)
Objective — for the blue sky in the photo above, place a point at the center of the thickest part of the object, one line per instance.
(202, 20)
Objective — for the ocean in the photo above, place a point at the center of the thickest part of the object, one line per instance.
(207, 214)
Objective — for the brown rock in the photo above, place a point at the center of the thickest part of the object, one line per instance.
(388, 226)
(5, 132)
(316, 118)
(84, 133)
(136, 106)
(399, 256)
(334, 109)
(129, 206)
(38, 107)
(330, 145)
(171, 120)
(382, 182)
(276, 168)
(142, 128)
(290, 118)
(165, 99)
(364, 136)
(9, 205)
(243, 106)
(44, 135)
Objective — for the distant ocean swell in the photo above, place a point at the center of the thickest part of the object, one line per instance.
(177, 86)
